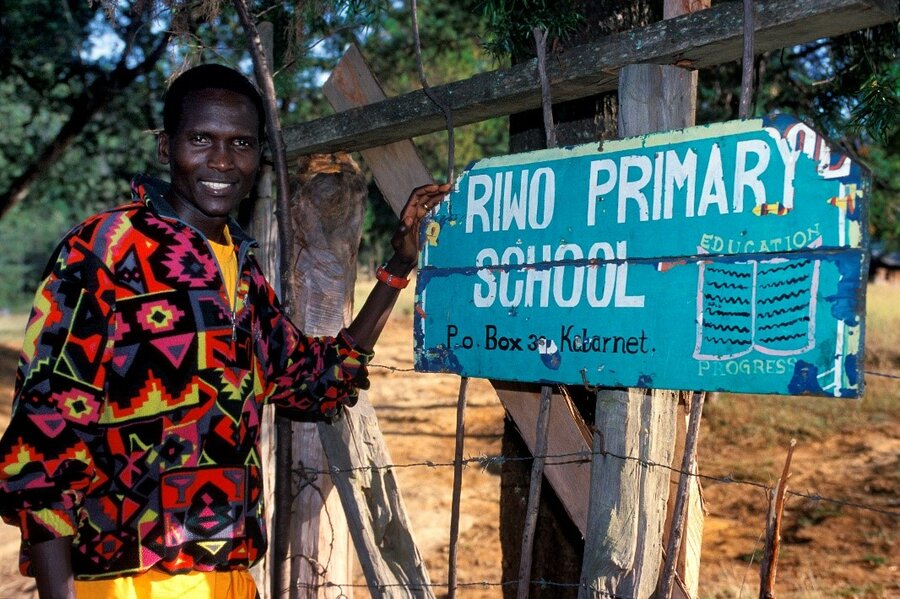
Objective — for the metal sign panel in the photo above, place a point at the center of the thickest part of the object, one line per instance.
(725, 257)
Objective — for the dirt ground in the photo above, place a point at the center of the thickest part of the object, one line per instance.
(829, 549)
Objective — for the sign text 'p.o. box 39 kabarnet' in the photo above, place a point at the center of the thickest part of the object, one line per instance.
(723, 257)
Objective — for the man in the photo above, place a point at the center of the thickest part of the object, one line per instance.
(131, 462)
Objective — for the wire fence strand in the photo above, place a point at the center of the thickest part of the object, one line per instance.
(540, 583)
(585, 457)
(412, 369)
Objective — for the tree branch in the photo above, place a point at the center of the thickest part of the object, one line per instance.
(86, 105)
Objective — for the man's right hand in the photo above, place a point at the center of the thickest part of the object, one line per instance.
(52, 565)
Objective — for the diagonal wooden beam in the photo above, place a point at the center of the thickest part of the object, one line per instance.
(704, 38)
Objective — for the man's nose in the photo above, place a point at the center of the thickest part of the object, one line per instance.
(220, 157)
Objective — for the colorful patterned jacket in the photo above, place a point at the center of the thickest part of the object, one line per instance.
(137, 407)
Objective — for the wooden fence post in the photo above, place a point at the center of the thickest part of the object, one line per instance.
(626, 517)
(628, 505)
(327, 218)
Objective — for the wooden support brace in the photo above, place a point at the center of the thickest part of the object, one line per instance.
(381, 532)
(397, 166)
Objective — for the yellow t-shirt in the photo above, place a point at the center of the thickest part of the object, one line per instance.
(227, 258)
(154, 584)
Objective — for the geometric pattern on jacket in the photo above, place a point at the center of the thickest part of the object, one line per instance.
(136, 414)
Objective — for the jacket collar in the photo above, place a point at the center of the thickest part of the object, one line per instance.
(151, 192)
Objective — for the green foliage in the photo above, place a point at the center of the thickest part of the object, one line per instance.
(450, 52)
(93, 174)
(511, 24)
(884, 209)
(450, 34)
(878, 106)
(875, 560)
(50, 52)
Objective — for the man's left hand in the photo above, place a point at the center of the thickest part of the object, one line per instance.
(406, 239)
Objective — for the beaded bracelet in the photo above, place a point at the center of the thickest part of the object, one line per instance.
(390, 280)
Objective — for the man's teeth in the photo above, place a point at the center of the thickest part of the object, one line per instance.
(215, 185)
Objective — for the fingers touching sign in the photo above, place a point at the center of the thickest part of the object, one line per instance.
(421, 201)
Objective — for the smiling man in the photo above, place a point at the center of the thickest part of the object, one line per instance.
(131, 463)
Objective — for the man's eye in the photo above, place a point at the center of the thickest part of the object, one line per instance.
(243, 143)
(198, 139)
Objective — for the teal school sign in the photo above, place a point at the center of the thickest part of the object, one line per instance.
(725, 257)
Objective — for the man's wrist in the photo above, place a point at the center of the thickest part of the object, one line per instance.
(399, 267)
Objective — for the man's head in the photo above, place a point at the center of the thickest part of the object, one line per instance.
(209, 76)
(211, 143)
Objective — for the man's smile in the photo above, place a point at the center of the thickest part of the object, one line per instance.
(216, 185)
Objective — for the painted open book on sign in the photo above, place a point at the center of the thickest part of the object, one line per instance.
(753, 306)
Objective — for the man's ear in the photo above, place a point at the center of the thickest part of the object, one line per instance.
(162, 148)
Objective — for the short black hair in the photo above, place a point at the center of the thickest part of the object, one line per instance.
(209, 76)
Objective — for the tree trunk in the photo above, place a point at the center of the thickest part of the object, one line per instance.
(327, 221)
(265, 230)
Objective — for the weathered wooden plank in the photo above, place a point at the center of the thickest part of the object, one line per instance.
(327, 216)
(700, 39)
(264, 230)
(397, 166)
(375, 510)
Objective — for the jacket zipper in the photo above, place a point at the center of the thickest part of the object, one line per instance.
(243, 250)
(242, 253)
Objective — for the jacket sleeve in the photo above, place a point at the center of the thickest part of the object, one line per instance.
(45, 461)
(312, 375)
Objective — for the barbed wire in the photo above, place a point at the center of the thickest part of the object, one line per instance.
(560, 459)
(581, 457)
(585, 457)
(542, 583)
(412, 369)
(391, 368)
(881, 374)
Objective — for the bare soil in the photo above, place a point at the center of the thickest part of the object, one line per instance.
(829, 549)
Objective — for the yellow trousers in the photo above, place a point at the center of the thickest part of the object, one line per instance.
(155, 584)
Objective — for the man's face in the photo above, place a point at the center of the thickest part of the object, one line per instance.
(213, 157)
